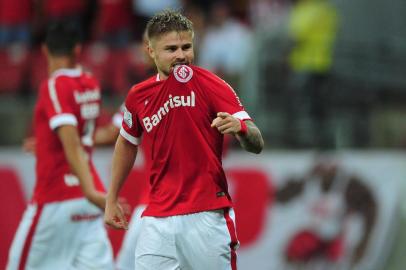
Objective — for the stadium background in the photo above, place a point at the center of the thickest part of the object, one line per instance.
(320, 78)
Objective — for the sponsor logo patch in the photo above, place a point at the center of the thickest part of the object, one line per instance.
(183, 73)
(128, 119)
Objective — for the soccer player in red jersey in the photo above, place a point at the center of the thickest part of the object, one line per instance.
(183, 113)
(62, 227)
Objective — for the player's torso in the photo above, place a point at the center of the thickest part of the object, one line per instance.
(175, 116)
(82, 96)
(166, 108)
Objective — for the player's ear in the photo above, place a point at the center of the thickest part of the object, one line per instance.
(151, 47)
(151, 51)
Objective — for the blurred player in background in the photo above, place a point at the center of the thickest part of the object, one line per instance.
(62, 227)
(183, 113)
(107, 135)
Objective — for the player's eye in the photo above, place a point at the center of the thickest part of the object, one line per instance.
(171, 49)
(186, 47)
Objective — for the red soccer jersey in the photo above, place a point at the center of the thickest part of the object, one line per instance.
(174, 117)
(68, 97)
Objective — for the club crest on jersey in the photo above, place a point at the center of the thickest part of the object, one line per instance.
(128, 119)
(182, 73)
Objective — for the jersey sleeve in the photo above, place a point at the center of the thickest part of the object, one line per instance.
(59, 103)
(131, 128)
(225, 99)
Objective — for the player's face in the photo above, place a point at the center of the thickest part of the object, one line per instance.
(171, 49)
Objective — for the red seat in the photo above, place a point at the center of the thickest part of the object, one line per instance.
(13, 204)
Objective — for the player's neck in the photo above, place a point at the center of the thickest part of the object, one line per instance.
(56, 63)
(161, 76)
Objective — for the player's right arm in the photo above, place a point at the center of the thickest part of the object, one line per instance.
(78, 162)
(123, 161)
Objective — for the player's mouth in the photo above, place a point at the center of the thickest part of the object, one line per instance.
(179, 63)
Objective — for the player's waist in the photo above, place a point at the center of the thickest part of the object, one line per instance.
(61, 187)
(159, 210)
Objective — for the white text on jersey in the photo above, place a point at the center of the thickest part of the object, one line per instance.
(172, 102)
(87, 96)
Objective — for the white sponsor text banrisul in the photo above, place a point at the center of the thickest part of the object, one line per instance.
(172, 102)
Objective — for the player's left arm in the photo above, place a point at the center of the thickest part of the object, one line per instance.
(106, 135)
(246, 132)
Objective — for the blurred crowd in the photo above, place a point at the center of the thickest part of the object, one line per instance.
(112, 33)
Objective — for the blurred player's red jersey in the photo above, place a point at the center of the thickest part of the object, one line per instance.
(175, 115)
(68, 97)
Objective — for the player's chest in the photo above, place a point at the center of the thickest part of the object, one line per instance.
(173, 105)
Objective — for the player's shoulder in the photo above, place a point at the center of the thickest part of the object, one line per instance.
(65, 76)
(88, 76)
(144, 85)
(208, 79)
(61, 79)
(200, 72)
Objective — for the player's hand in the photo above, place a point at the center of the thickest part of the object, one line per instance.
(226, 123)
(125, 205)
(114, 215)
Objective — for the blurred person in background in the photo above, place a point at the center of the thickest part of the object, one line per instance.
(226, 45)
(268, 14)
(194, 127)
(79, 13)
(106, 135)
(62, 227)
(312, 30)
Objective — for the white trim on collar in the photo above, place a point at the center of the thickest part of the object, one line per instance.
(70, 72)
(157, 78)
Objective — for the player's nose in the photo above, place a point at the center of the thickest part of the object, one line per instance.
(180, 55)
